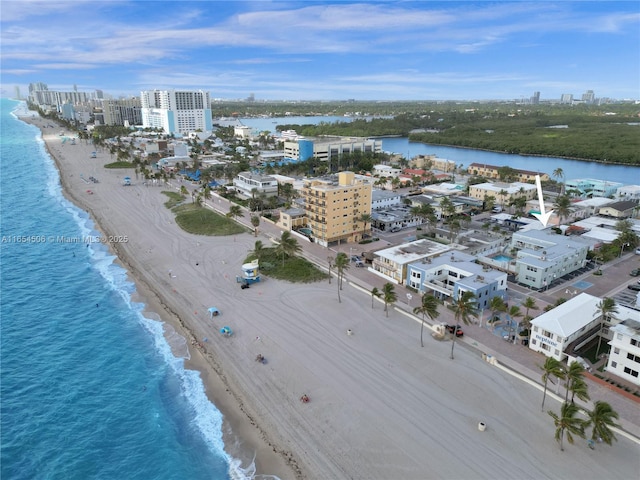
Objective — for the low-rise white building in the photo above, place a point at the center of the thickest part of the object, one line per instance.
(381, 199)
(503, 193)
(624, 357)
(544, 256)
(391, 263)
(242, 131)
(568, 326)
(386, 171)
(450, 274)
(246, 182)
(628, 192)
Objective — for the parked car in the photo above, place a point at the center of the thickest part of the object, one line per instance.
(635, 273)
(457, 329)
(634, 286)
(357, 260)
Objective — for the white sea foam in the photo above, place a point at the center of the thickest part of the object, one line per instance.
(172, 346)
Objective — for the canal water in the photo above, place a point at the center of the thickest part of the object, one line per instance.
(572, 169)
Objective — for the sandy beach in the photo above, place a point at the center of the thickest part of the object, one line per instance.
(381, 406)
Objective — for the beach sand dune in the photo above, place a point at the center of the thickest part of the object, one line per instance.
(381, 407)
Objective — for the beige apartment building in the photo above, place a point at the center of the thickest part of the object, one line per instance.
(492, 171)
(335, 208)
(503, 193)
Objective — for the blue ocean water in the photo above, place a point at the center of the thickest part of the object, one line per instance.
(90, 388)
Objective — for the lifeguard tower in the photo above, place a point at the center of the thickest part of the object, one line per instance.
(250, 273)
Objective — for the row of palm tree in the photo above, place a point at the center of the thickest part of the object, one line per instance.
(602, 418)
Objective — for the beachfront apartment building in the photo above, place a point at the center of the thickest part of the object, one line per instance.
(493, 172)
(449, 275)
(503, 193)
(624, 355)
(561, 331)
(176, 111)
(590, 187)
(335, 206)
(327, 149)
(392, 263)
(543, 256)
(251, 185)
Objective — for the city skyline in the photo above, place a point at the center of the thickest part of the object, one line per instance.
(326, 50)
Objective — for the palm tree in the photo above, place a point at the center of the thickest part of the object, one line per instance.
(288, 245)
(602, 418)
(514, 313)
(529, 304)
(183, 190)
(605, 309)
(206, 192)
(425, 212)
(235, 211)
(364, 218)
(341, 263)
(463, 309)
(559, 173)
(579, 389)
(551, 367)
(428, 307)
(502, 193)
(569, 422)
(454, 228)
(389, 296)
(573, 375)
(330, 260)
(562, 207)
(489, 202)
(255, 221)
(374, 293)
(497, 306)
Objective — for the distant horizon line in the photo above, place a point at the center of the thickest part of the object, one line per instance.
(354, 101)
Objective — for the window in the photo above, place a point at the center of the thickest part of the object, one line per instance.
(633, 357)
(546, 347)
(616, 350)
(634, 342)
(547, 334)
(614, 364)
(533, 342)
(619, 336)
(628, 371)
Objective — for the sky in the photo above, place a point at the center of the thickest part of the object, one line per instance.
(312, 50)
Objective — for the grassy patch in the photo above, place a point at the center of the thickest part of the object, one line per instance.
(202, 221)
(119, 165)
(175, 199)
(295, 269)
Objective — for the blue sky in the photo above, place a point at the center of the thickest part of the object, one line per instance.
(288, 50)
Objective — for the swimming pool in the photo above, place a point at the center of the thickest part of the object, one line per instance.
(502, 258)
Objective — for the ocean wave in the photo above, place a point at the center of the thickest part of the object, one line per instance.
(171, 345)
